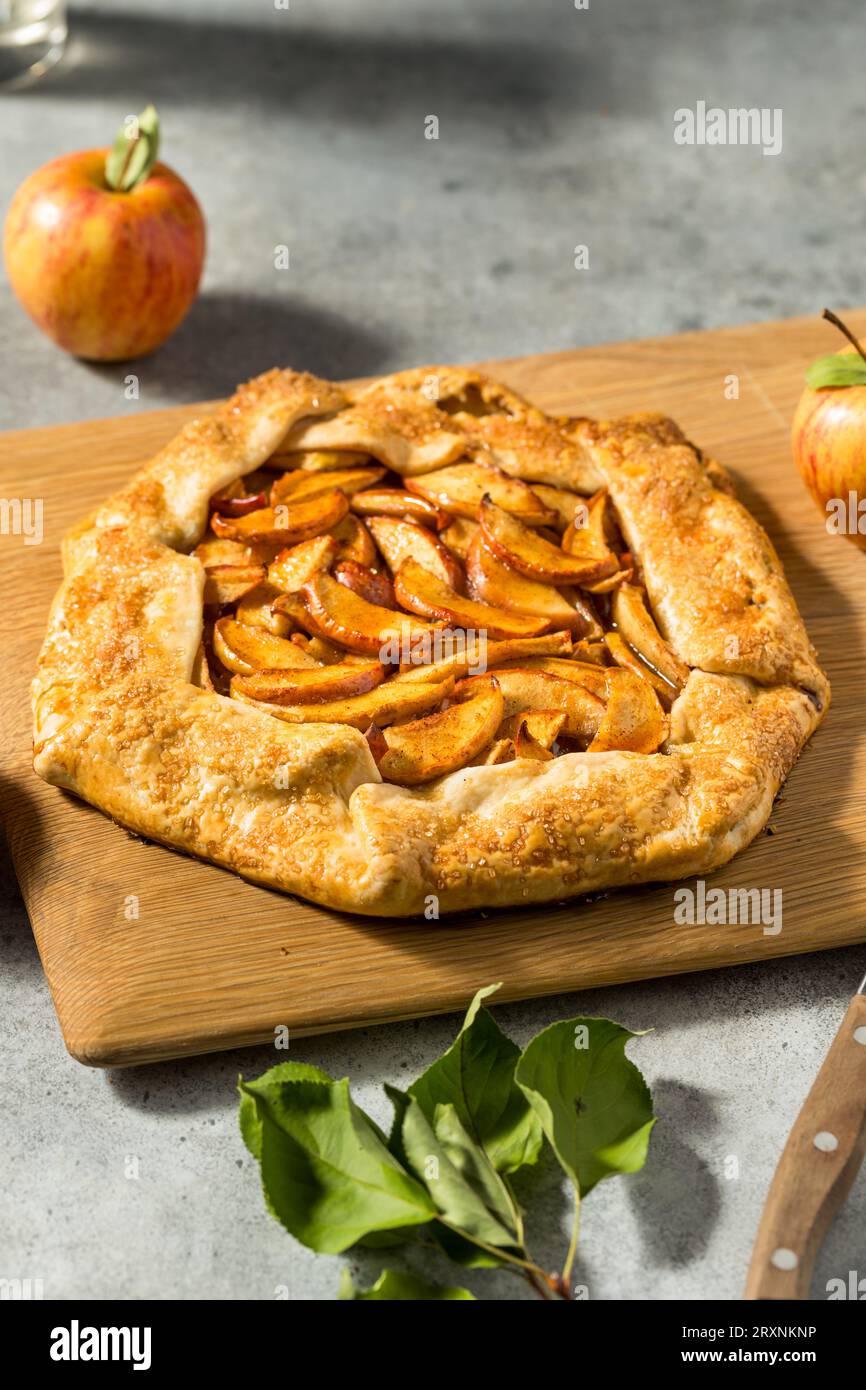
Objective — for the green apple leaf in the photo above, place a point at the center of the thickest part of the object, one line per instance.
(327, 1174)
(456, 1246)
(134, 152)
(473, 1164)
(839, 369)
(248, 1115)
(446, 1162)
(476, 1076)
(394, 1284)
(594, 1106)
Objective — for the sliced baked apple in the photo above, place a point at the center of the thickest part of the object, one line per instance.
(299, 484)
(399, 539)
(216, 550)
(634, 720)
(312, 685)
(634, 623)
(463, 656)
(587, 649)
(532, 555)
(611, 582)
(285, 524)
(457, 535)
(525, 746)
(256, 609)
(335, 612)
(561, 503)
(376, 743)
(230, 502)
(292, 607)
(422, 592)
(512, 649)
(491, 581)
(294, 566)
(381, 705)
(245, 649)
(581, 673)
(524, 690)
(426, 748)
(228, 583)
(587, 538)
(372, 585)
(501, 750)
(460, 488)
(623, 655)
(582, 603)
(325, 653)
(355, 541)
(543, 725)
(395, 501)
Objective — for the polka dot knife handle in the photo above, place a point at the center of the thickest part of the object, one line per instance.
(818, 1166)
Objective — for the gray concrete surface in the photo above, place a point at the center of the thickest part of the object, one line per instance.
(306, 128)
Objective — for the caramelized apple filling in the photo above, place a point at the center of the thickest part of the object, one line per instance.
(456, 618)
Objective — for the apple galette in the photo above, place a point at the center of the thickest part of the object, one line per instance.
(417, 646)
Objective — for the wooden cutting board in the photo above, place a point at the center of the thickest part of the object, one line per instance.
(212, 962)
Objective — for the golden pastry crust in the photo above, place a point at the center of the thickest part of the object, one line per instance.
(302, 807)
(716, 584)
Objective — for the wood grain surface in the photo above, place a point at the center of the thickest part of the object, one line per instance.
(213, 962)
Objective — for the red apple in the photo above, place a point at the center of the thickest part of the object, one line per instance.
(105, 249)
(828, 437)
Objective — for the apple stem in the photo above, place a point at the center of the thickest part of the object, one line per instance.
(837, 322)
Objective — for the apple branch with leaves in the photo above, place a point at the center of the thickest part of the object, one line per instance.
(461, 1130)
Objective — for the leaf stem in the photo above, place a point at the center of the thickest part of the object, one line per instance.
(516, 1260)
(537, 1285)
(572, 1247)
(837, 322)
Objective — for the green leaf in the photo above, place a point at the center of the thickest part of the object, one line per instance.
(452, 1185)
(134, 152)
(593, 1103)
(326, 1172)
(465, 1156)
(839, 369)
(395, 1284)
(473, 1165)
(476, 1076)
(248, 1118)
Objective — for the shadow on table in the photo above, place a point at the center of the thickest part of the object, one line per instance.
(226, 329)
(676, 1198)
(18, 952)
(15, 920)
(521, 69)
